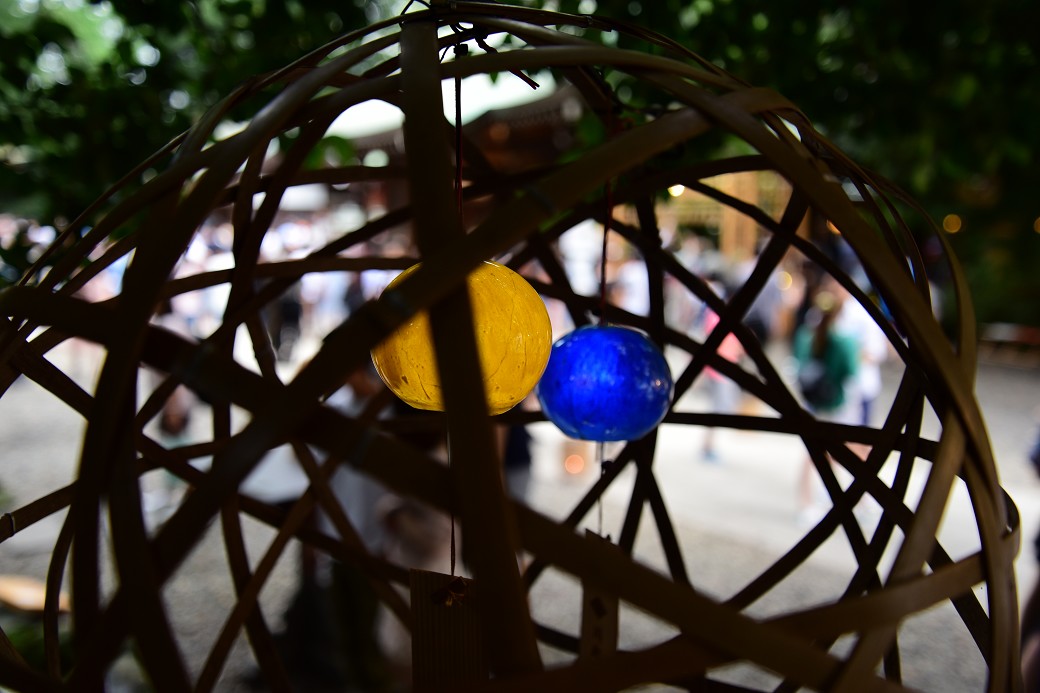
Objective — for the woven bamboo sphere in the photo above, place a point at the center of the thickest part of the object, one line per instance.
(855, 634)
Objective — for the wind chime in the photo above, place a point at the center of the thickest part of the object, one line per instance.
(513, 336)
(602, 383)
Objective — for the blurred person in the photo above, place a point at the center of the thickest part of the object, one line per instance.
(872, 345)
(283, 314)
(214, 299)
(415, 536)
(286, 317)
(516, 461)
(353, 603)
(373, 281)
(725, 393)
(373, 650)
(163, 490)
(828, 361)
(631, 284)
(683, 307)
(761, 317)
(324, 301)
(329, 636)
(359, 494)
(580, 249)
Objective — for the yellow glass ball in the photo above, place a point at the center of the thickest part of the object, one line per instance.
(514, 338)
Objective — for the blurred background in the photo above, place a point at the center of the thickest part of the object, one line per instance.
(937, 99)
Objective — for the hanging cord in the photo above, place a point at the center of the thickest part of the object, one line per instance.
(609, 201)
(447, 440)
(608, 198)
(613, 128)
(461, 51)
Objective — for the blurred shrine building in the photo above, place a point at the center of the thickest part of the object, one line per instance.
(530, 131)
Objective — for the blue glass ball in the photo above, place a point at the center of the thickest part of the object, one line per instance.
(605, 383)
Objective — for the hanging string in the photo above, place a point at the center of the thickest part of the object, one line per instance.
(613, 127)
(460, 51)
(451, 512)
(608, 197)
(608, 201)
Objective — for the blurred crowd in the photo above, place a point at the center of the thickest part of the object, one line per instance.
(333, 636)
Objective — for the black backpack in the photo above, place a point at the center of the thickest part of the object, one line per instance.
(819, 388)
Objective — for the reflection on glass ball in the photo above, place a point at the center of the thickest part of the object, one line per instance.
(605, 383)
(513, 340)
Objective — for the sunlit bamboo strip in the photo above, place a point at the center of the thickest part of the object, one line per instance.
(492, 543)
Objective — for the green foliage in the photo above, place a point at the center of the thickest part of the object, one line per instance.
(87, 91)
(26, 635)
(912, 87)
(937, 98)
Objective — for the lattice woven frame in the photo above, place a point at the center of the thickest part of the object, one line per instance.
(157, 220)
